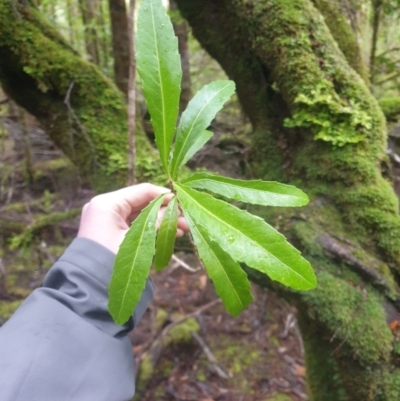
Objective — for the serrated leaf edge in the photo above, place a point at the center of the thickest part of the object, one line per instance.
(118, 319)
(175, 160)
(216, 257)
(251, 240)
(165, 156)
(188, 181)
(170, 223)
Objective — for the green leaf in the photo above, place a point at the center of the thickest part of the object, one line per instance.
(247, 238)
(132, 264)
(256, 192)
(166, 235)
(229, 279)
(198, 115)
(198, 144)
(159, 67)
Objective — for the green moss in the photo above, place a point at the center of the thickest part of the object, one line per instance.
(337, 139)
(279, 397)
(343, 35)
(355, 316)
(40, 222)
(335, 145)
(182, 333)
(7, 308)
(146, 370)
(201, 376)
(159, 319)
(237, 360)
(92, 130)
(323, 374)
(390, 107)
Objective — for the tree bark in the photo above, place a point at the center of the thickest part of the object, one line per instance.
(180, 30)
(344, 35)
(377, 6)
(120, 43)
(82, 111)
(88, 11)
(316, 125)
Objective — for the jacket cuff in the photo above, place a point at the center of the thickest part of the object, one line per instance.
(80, 278)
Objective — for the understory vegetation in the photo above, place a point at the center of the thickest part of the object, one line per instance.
(317, 106)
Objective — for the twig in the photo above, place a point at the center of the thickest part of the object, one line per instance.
(189, 315)
(180, 262)
(394, 49)
(43, 249)
(335, 248)
(393, 155)
(300, 338)
(28, 210)
(290, 323)
(11, 187)
(131, 95)
(299, 393)
(2, 268)
(211, 358)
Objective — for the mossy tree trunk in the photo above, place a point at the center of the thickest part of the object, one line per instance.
(181, 32)
(317, 125)
(89, 11)
(120, 43)
(82, 111)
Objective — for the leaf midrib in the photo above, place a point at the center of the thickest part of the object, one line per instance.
(176, 166)
(247, 189)
(216, 257)
(235, 229)
(223, 269)
(161, 85)
(133, 263)
(170, 223)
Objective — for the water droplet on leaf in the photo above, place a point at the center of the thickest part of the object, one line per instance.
(230, 239)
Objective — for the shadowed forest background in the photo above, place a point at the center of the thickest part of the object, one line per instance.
(317, 106)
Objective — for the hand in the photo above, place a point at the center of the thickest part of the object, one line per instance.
(107, 218)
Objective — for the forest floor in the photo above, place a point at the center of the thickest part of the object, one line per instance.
(254, 357)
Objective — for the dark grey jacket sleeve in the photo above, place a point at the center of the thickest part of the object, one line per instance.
(61, 344)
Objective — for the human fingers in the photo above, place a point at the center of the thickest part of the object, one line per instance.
(129, 201)
(182, 224)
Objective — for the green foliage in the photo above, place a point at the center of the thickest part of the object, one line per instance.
(255, 192)
(166, 236)
(390, 107)
(229, 279)
(133, 263)
(224, 234)
(159, 69)
(247, 238)
(196, 118)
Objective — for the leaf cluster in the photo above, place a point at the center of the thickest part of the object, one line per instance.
(223, 234)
